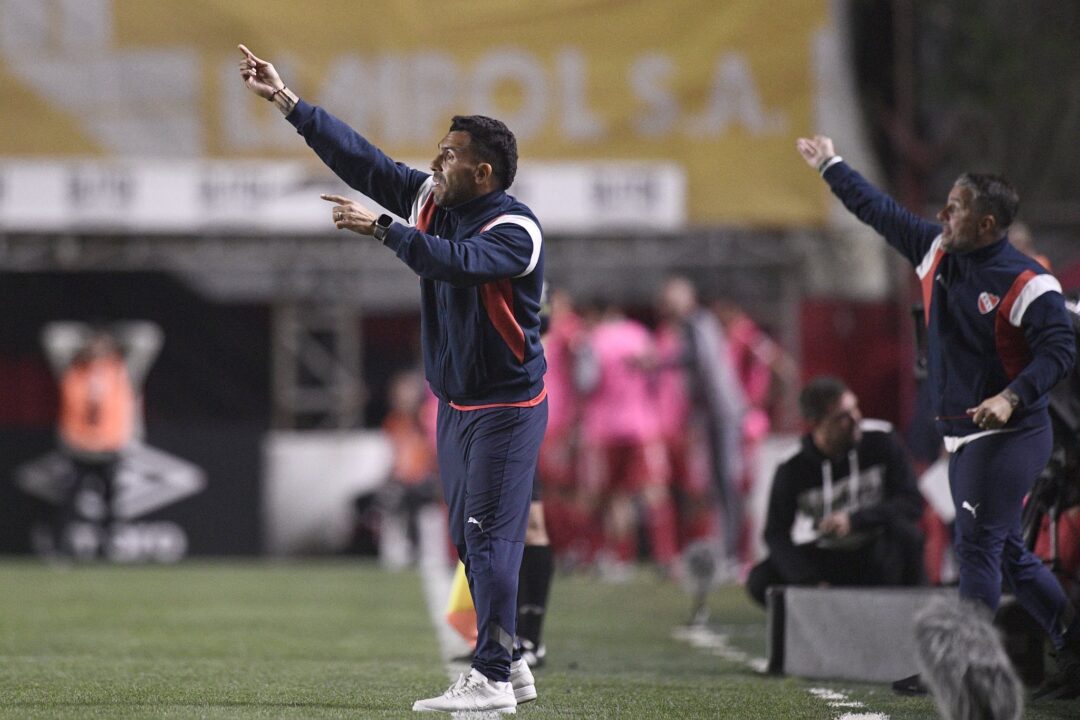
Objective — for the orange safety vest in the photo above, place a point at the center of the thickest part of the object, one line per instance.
(414, 455)
(97, 405)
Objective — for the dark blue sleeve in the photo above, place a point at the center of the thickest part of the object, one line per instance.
(1049, 333)
(505, 251)
(904, 230)
(356, 161)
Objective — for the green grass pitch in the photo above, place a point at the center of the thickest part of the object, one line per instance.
(347, 640)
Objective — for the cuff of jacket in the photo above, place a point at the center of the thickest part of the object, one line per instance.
(397, 237)
(825, 165)
(300, 113)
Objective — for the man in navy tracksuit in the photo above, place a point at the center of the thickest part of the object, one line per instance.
(479, 255)
(999, 340)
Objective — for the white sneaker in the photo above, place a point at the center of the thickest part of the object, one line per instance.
(521, 679)
(470, 693)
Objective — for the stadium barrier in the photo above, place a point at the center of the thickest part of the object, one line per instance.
(861, 634)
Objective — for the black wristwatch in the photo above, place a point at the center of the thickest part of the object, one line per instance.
(382, 225)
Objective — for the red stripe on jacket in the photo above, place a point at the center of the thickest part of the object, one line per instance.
(498, 299)
(1011, 344)
(423, 219)
(927, 282)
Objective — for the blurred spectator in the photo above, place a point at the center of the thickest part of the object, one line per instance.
(765, 371)
(623, 459)
(716, 403)
(1021, 238)
(413, 481)
(843, 510)
(684, 439)
(566, 516)
(100, 371)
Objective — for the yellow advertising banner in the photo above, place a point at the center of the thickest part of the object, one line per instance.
(720, 87)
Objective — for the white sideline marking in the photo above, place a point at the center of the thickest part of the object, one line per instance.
(716, 643)
(837, 699)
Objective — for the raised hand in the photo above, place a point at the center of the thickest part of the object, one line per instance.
(815, 150)
(259, 76)
(351, 215)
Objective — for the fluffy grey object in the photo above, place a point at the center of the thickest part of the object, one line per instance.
(962, 661)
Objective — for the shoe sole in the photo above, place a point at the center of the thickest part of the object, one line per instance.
(503, 711)
(525, 694)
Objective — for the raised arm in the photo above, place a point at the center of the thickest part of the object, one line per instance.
(904, 230)
(62, 341)
(352, 158)
(140, 341)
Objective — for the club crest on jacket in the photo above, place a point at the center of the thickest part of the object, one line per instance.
(987, 302)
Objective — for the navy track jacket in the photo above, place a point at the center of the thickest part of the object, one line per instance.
(481, 267)
(996, 318)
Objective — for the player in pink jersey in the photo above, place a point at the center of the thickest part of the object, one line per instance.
(622, 455)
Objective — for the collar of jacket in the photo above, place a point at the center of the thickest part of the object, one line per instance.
(985, 253)
(478, 206)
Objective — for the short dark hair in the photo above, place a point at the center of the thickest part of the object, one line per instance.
(819, 395)
(992, 195)
(492, 142)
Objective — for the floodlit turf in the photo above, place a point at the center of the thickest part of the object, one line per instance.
(346, 640)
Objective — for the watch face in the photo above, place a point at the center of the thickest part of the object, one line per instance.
(381, 225)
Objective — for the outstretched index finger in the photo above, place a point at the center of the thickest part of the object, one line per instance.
(336, 199)
(250, 55)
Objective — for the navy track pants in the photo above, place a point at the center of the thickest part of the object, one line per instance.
(989, 478)
(487, 463)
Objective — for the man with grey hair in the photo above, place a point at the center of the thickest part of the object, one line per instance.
(999, 338)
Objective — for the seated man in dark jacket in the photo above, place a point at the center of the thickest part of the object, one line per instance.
(843, 510)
